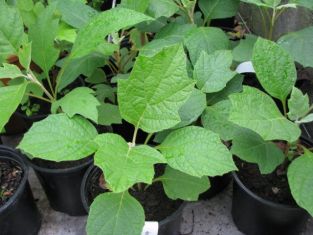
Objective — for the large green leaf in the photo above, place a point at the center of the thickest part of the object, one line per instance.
(219, 9)
(255, 110)
(60, 138)
(192, 109)
(85, 65)
(11, 31)
(243, 52)
(92, 35)
(259, 3)
(42, 35)
(124, 165)
(212, 72)
(10, 71)
(250, 147)
(233, 86)
(215, 118)
(300, 178)
(10, 98)
(75, 13)
(303, 3)
(81, 101)
(157, 88)
(136, 5)
(109, 114)
(159, 8)
(25, 54)
(169, 35)
(115, 214)
(299, 44)
(197, 152)
(206, 39)
(275, 69)
(178, 185)
(298, 105)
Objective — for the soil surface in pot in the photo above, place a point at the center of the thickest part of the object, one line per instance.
(11, 175)
(58, 165)
(273, 187)
(156, 204)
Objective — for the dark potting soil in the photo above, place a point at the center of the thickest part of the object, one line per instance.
(58, 165)
(11, 175)
(156, 204)
(273, 187)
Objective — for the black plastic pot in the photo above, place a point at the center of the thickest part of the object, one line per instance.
(20, 215)
(62, 187)
(256, 216)
(218, 184)
(168, 226)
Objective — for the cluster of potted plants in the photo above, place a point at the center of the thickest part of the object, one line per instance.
(129, 113)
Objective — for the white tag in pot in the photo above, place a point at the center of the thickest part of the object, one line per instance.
(150, 228)
(245, 67)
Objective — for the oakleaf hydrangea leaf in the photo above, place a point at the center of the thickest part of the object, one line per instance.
(298, 104)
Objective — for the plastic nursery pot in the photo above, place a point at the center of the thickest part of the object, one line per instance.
(168, 226)
(19, 215)
(218, 184)
(61, 183)
(256, 216)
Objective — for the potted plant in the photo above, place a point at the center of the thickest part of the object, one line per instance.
(70, 112)
(272, 184)
(18, 211)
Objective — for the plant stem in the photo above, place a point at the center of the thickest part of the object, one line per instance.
(38, 97)
(32, 77)
(135, 136)
(50, 85)
(284, 107)
(148, 138)
(272, 24)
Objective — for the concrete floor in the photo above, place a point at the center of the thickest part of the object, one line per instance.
(210, 217)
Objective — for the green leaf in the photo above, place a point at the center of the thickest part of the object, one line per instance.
(275, 69)
(140, 6)
(98, 76)
(60, 138)
(233, 86)
(178, 185)
(298, 104)
(109, 114)
(169, 35)
(85, 65)
(192, 109)
(104, 92)
(11, 31)
(197, 152)
(215, 118)
(300, 178)
(243, 52)
(299, 45)
(157, 88)
(24, 55)
(10, 71)
(255, 110)
(91, 35)
(159, 8)
(206, 39)
(250, 147)
(219, 9)
(256, 2)
(81, 101)
(42, 35)
(115, 214)
(66, 33)
(75, 13)
(212, 72)
(10, 98)
(304, 3)
(124, 165)
(306, 119)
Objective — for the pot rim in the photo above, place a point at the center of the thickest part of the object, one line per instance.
(13, 155)
(84, 201)
(260, 199)
(59, 171)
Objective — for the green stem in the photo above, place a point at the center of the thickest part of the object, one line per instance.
(272, 25)
(284, 107)
(33, 78)
(50, 85)
(38, 97)
(135, 136)
(148, 138)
